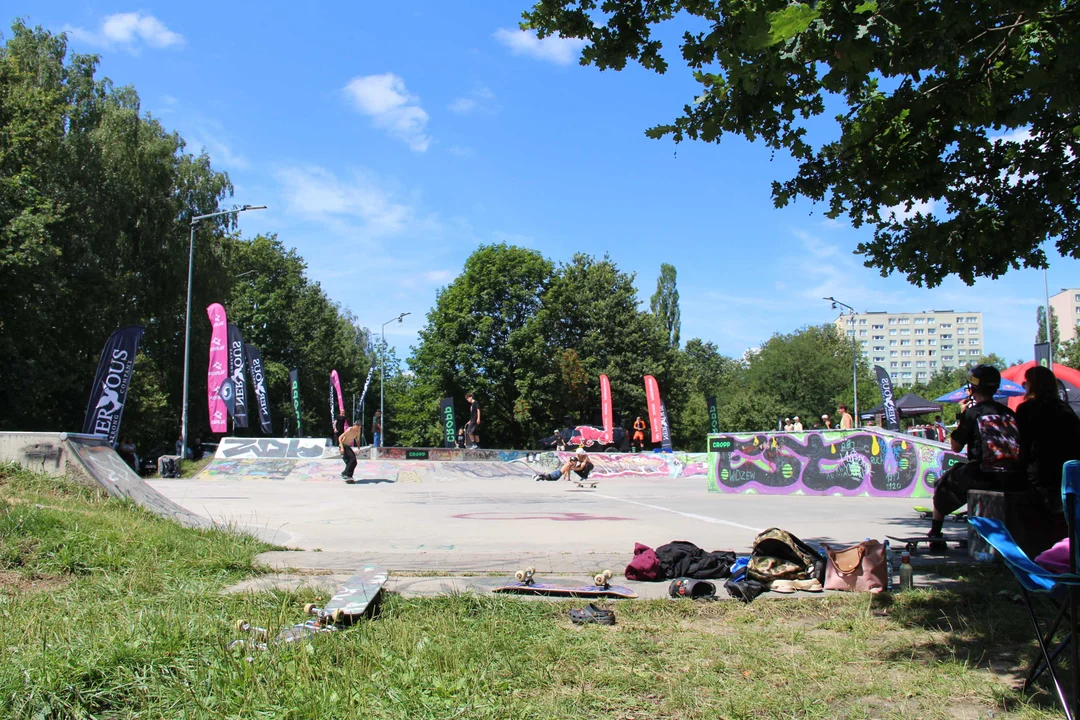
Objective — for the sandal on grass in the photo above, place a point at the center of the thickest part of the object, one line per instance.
(592, 614)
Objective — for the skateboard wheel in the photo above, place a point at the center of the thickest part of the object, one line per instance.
(607, 574)
(240, 625)
(519, 575)
(337, 616)
(530, 571)
(600, 579)
(309, 609)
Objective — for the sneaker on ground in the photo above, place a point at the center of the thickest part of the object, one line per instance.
(786, 587)
(690, 588)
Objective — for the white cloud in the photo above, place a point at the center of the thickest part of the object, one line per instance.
(130, 31)
(385, 99)
(316, 193)
(478, 99)
(209, 135)
(463, 106)
(559, 50)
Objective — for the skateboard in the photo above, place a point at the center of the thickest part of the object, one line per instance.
(928, 512)
(583, 483)
(359, 596)
(525, 585)
(911, 544)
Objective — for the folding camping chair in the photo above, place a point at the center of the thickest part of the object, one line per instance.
(1062, 589)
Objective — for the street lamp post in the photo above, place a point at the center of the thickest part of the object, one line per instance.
(187, 321)
(854, 354)
(382, 375)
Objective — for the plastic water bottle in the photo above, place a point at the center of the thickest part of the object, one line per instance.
(907, 574)
(888, 567)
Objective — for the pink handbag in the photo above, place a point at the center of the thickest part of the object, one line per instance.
(859, 568)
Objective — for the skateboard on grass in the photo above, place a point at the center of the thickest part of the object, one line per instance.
(358, 597)
(928, 512)
(524, 584)
(911, 544)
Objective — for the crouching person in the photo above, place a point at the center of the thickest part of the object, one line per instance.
(579, 463)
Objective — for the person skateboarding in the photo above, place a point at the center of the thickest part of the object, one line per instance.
(989, 431)
(579, 463)
(345, 439)
(638, 439)
(474, 422)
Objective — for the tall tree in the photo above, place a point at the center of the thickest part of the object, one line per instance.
(474, 341)
(592, 308)
(1055, 334)
(665, 304)
(956, 122)
(807, 373)
(95, 199)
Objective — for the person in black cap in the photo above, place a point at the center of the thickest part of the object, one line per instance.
(989, 431)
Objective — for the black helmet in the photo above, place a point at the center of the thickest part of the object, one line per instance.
(985, 378)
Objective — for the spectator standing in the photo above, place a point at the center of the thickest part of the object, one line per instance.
(797, 425)
(846, 421)
(638, 440)
(826, 422)
(942, 433)
(376, 429)
(788, 427)
(473, 426)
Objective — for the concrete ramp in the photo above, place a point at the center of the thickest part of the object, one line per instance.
(864, 461)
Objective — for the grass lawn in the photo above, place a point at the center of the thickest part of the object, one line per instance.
(109, 612)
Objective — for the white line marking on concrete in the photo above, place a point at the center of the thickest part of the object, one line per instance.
(703, 518)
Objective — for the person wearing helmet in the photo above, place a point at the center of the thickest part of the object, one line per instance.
(989, 431)
(579, 463)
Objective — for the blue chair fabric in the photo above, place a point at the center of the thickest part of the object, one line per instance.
(1062, 589)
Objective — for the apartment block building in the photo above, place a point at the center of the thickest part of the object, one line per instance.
(1066, 306)
(915, 346)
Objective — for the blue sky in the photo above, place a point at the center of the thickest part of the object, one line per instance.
(389, 140)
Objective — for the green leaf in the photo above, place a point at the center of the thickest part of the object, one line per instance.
(789, 22)
(870, 6)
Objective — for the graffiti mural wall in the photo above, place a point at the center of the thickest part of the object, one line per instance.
(866, 461)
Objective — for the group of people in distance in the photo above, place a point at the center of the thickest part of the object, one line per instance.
(1019, 452)
(794, 424)
(347, 436)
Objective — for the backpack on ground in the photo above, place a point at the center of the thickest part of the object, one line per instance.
(779, 555)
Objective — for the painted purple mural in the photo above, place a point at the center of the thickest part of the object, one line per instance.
(866, 461)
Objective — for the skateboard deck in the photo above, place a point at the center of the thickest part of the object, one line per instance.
(523, 584)
(928, 512)
(583, 483)
(911, 544)
(357, 597)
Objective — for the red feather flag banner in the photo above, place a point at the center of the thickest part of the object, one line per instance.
(606, 412)
(652, 396)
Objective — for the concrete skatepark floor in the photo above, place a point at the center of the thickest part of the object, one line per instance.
(455, 523)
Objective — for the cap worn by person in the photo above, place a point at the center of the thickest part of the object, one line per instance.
(824, 417)
(796, 417)
(581, 451)
(985, 378)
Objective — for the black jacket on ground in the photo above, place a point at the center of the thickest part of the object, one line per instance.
(685, 559)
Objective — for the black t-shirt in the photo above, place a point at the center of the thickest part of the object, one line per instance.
(992, 437)
(474, 412)
(1049, 436)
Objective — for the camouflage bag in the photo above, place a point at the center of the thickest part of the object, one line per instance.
(778, 554)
